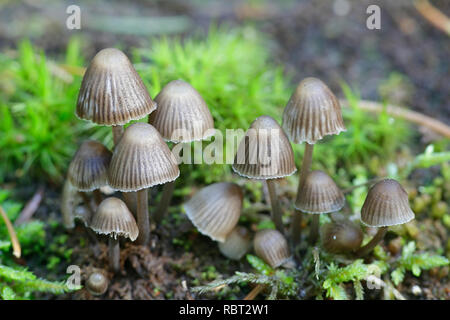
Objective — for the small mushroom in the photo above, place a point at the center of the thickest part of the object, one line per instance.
(112, 92)
(341, 236)
(271, 246)
(88, 169)
(141, 160)
(237, 243)
(215, 210)
(113, 218)
(386, 205)
(265, 153)
(97, 283)
(311, 113)
(319, 195)
(182, 117)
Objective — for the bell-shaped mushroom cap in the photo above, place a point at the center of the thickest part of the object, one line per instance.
(215, 210)
(88, 168)
(312, 112)
(386, 204)
(115, 219)
(320, 194)
(265, 152)
(341, 236)
(112, 93)
(271, 246)
(182, 114)
(237, 243)
(141, 160)
(97, 283)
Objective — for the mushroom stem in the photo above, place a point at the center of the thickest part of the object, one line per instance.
(297, 218)
(163, 205)
(361, 252)
(97, 196)
(117, 133)
(255, 291)
(314, 233)
(142, 217)
(276, 210)
(114, 254)
(87, 202)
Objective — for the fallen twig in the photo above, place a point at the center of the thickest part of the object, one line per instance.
(402, 113)
(30, 207)
(254, 293)
(433, 15)
(17, 251)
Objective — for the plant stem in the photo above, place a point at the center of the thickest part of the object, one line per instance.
(97, 196)
(142, 217)
(114, 254)
(276, 210)
(117, 134)
(361, 252)
(297, 217)
(164, 204)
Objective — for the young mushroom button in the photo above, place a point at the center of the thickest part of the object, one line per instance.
(341, 236)
(237, 243)
(271, 246)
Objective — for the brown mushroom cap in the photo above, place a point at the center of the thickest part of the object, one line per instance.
(386, 204)
(141, 160)
(89, 166)
(215, 210)
(312, 112)
(237, 243)
(182, 114)
(265, 152)
(341, 236)
(112, 92)
(97, 283)
(320, 194)
(271, 246)
(114, 219)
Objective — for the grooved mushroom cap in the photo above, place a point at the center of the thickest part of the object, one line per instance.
(215, 210)
(112, 93)
(97, 283)
(265, 152)
(141, 160)
(271, 246)
(312, 112)
(182, 114)
(340, 237)
(237, 243)
(320, 194)
(89, 166)
(114, 219)
(386, 204)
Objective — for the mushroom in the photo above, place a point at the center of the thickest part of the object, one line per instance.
(265, 153)
(215, 210)
(182, 117)
(319, 195)
(97, 283)
(112, 93)
(141, 160)
(341, 236)
(311, 113)
(271, 246)
(386, 205)
(88, 169)
(114, 219)
(237, 243)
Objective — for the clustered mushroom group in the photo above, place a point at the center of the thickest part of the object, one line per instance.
(113, 94)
